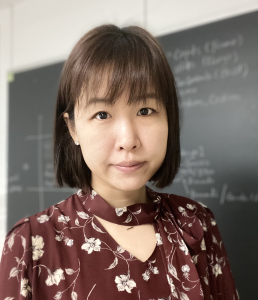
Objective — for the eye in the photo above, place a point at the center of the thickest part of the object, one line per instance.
(145, 109)
(100, 113)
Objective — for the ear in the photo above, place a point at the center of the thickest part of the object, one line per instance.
(71, 126)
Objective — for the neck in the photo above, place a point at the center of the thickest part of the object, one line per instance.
(119, 198)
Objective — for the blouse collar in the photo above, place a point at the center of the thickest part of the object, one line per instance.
(180, 210)
(135, 214)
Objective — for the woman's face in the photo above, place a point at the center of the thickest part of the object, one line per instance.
(119, 133)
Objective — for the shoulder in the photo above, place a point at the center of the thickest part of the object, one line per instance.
(185, 203)
(184, 206)
(22, 227)
(57, 213)
(20, 224)
(53, 215)
(40, 227)
(19, 234)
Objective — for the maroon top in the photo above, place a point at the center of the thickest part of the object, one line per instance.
(65, 252)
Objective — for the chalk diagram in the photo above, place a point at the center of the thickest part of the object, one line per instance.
(198, 179)
(43, 180)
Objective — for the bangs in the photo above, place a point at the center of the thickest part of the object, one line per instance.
(122, 64)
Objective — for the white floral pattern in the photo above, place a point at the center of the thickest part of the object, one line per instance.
(66, 247)
(91, 244)
(25, 288)
(154, 270)
(64, 219)
(159, 239)
(55, 277)
(124, 283)
(37, 246)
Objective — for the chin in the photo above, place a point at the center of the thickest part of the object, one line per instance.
(129, 184)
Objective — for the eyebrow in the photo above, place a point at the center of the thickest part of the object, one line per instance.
(94, 101)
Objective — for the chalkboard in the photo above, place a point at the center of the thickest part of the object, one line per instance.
(31, 177)
(216, 72)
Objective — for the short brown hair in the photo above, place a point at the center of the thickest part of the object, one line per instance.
(134, 60)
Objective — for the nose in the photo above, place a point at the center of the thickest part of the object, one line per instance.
(127, 136)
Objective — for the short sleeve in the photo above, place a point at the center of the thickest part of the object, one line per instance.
(218, 261)
(16, 263)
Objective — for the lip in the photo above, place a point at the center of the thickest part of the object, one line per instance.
(129, 169)
(128, 163)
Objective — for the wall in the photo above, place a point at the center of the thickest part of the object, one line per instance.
(39, 32)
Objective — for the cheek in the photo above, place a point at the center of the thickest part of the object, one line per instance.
(94, 147)
(157, 139)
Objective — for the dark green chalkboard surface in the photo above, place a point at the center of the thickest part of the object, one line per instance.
(216, 71)
(31, 177)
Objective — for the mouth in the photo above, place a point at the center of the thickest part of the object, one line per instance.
(129, 169)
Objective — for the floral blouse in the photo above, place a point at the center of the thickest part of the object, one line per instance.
(64, 252)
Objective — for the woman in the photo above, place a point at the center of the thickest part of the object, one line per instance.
(116, 128)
